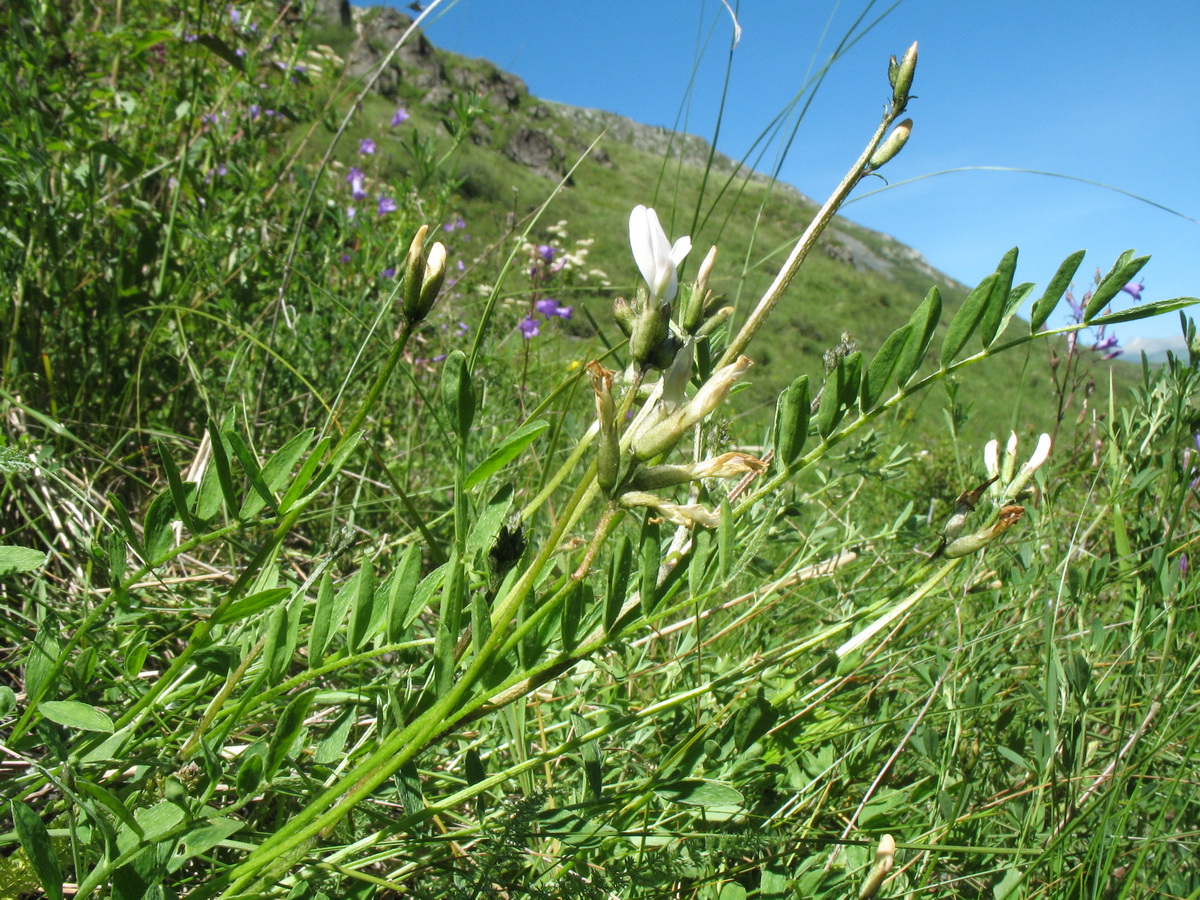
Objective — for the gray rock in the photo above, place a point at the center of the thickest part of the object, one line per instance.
(331, 12)
(537, 151)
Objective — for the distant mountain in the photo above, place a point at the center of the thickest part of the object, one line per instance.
(1156, 349)
(859, 283)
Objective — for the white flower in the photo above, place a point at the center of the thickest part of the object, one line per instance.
(654, 254)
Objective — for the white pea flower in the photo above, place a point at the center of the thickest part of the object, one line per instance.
(1003, 469)
(656, 257)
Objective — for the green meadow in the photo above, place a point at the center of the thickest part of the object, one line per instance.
(400, 500)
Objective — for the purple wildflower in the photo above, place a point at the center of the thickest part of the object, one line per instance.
(240, 52)
(356, 180)
(345, 257)
(546, 252)
(386, 205)
(461, 265)
(1183, 564)
(255, 109)
(351, 212)
(234, 15)
(389, 272)
(549, 307)
(400, 116)
(463, 328)
(455, 225)
(366, 147)
(1135, 290)
(1076, 307)
(529, 327)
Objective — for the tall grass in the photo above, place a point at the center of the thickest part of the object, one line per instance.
(324, 577)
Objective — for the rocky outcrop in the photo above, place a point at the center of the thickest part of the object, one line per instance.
(536, 150)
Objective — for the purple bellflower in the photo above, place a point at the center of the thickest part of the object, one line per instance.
(529, 328)
(357, 181)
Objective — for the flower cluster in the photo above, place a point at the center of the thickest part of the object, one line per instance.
(548, 308)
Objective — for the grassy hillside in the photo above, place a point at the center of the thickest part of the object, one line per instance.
(861, 282)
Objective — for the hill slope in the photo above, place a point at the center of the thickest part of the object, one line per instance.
(863, 282)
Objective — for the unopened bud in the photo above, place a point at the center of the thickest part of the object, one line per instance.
(458, 393)
(624, 315)
(431, 282)
(714, 321)
(885, 858)
(608, 459)
(666, 434)
(892, 144)
(651, 329)
(414, 275)
(904, 78)
(693, 310)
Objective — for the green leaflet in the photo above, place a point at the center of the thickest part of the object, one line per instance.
(1054, 291)
(966, 320)
(878, 375)
(1118, 276)
(923, 322)
(998, 299)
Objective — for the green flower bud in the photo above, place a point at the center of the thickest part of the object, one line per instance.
(904, 78)
(892, 144)
(625, 316)
(693, 310)
(458, 393)
(652, 327)
(666, 434)
(434, 276)
(608, 459)
(414, 275)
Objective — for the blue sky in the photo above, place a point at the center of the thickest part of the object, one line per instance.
(1095, 90)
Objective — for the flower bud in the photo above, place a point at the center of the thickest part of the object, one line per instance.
(885, 858)
(458, 393)
(904, 78)
(609, 450)
(892, 144)
(666, 434)
(693, 310)
(624, 315)
(414, 275)
(431, 282)
(714, 321)
(651, 329)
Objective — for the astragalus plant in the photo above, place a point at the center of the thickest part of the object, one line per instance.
(346, 722)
